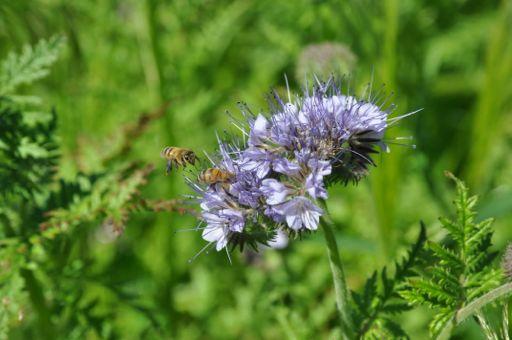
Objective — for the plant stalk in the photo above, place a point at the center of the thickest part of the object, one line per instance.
(338, 276)
(36, 295)
(474, 307)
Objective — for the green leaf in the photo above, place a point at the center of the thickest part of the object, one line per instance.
(452, 227)
(396, 331)
(32, 64)
(442, 316)
(461, 268)
(450, 259)
(396, 308)
(370, 290)
(374, 306)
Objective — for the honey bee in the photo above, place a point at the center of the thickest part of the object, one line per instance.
(178, 157)
(214, 175)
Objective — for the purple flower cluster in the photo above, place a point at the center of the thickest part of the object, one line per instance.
(287, 159)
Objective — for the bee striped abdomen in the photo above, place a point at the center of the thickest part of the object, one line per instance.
(214, 175)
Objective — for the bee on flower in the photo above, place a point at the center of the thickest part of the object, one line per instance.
(275, 179)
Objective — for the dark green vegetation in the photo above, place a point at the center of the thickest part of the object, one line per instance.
(134, 76)
(458, 271)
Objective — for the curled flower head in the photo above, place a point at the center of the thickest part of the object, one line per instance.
(285, 163)
(325, 125)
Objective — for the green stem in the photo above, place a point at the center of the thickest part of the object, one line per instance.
(158, 61)
(35, 292)
(338, 276)
(463, 313)
(167, 283)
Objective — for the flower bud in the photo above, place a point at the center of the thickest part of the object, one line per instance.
(325, 59)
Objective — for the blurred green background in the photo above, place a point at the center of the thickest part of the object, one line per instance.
(453, 59)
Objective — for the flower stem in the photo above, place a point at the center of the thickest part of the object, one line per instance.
(338, 276)
(473, 307)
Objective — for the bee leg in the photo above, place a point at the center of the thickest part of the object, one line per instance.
(169, 167)
(225, 187)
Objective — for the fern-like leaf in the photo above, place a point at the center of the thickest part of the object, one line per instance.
(461, 269)
(32, 64)
(374, 306)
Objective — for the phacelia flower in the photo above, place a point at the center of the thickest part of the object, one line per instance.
(285, 163)
(315, 180)
(275, 191)
(232, 211)
(300, 213)
(220, 224)
(304, 183)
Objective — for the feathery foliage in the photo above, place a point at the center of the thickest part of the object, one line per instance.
(375, 308)
(27, 139)
(460, 269)
(32, 64)
(44, 219)
(28, 157)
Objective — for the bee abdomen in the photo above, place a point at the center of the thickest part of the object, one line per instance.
(166, 152)
(214, 175)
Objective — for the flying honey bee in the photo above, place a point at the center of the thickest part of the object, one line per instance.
(178, 157)
(214, 175)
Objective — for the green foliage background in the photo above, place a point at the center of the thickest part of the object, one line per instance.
(453, 59)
